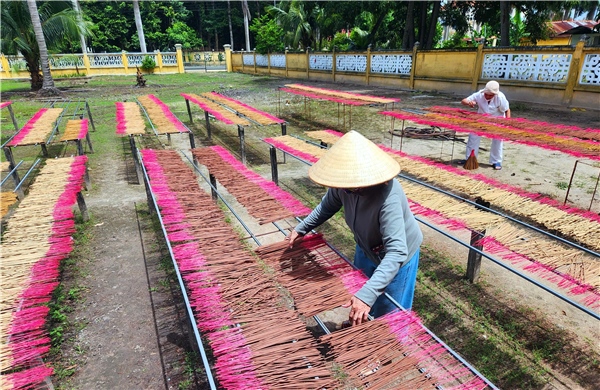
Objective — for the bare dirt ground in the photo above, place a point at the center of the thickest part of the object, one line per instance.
(128, 326)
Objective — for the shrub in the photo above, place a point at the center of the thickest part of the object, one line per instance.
(148, 64)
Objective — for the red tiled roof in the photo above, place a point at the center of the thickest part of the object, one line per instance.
(566, 27)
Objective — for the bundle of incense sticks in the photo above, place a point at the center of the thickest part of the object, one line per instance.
(569, 145)
(76, 129)
(5, 104)
(565, 273)
(7, 199)
(257, 342)
(581, 225)
(320, 96)
(342, 94)
(165, 122)
(326, 136)
(314, 274)
(37, 238)
(261, 197)
(216, 110)
(250, 112)
(401, 355)
(129, 119)
(562, 265)
(522, 123)
(38, 128)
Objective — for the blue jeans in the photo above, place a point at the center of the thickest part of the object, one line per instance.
(401, 288)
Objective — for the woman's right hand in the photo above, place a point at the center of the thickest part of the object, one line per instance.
(293, 238)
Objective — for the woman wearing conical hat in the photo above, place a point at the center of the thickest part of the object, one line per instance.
(360, 177)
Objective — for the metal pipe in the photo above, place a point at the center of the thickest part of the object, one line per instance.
(498, 262)
(11, 172)
(564, 241)
(146, 114)
(27, 174)
(224, 201)
(183, 289)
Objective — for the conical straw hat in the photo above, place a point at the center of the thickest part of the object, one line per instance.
(353, 162)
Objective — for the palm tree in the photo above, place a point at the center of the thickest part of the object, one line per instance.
(246, 20)
(294, 19)
(138, 24)
(55, 20)
(48, 87)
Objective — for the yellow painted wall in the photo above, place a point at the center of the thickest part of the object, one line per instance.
(434, 64)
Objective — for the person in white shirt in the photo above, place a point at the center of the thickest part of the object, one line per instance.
(492, 102)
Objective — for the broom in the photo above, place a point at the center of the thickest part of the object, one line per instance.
(471, 162)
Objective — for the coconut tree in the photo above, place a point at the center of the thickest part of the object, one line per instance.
(138, 24)
(54, 20)
(247, 17)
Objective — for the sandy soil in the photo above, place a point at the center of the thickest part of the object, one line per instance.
(135, 335)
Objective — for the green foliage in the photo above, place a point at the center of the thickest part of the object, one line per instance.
(59, 23)
(181, 33)
(269, 35)
(148, 64)
(341, 41)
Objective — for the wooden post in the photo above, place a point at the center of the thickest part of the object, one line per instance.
(474, 259)
(136, 162)
(242, 143)
(283, 132)
(87, 106)
(82, 207)
(274, 174)
(12, 116)
(79, 147)
(187, 104)
(213, 183)
(44, 150)
(192, 142)
(151, 205)
(207, 118)
(478, 67)
(89, 142)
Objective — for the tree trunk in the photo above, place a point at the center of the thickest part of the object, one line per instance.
(408, 39)
(504, 23)
(48, 87)
(80, 21)
(246, 20)
(433, 25)
(423, 23)
(138, 24)
(230, 28)
(376, 26)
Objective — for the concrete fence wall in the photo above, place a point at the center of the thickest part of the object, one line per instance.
(549, 75)
(124, 63)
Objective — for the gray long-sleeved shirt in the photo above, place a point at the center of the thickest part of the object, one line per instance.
(378, 216)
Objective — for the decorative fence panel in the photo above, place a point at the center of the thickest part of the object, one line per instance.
(351, 63)
(529, 67)
(278, 60)
(590, 72)
(391, 63)
(321, 61)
